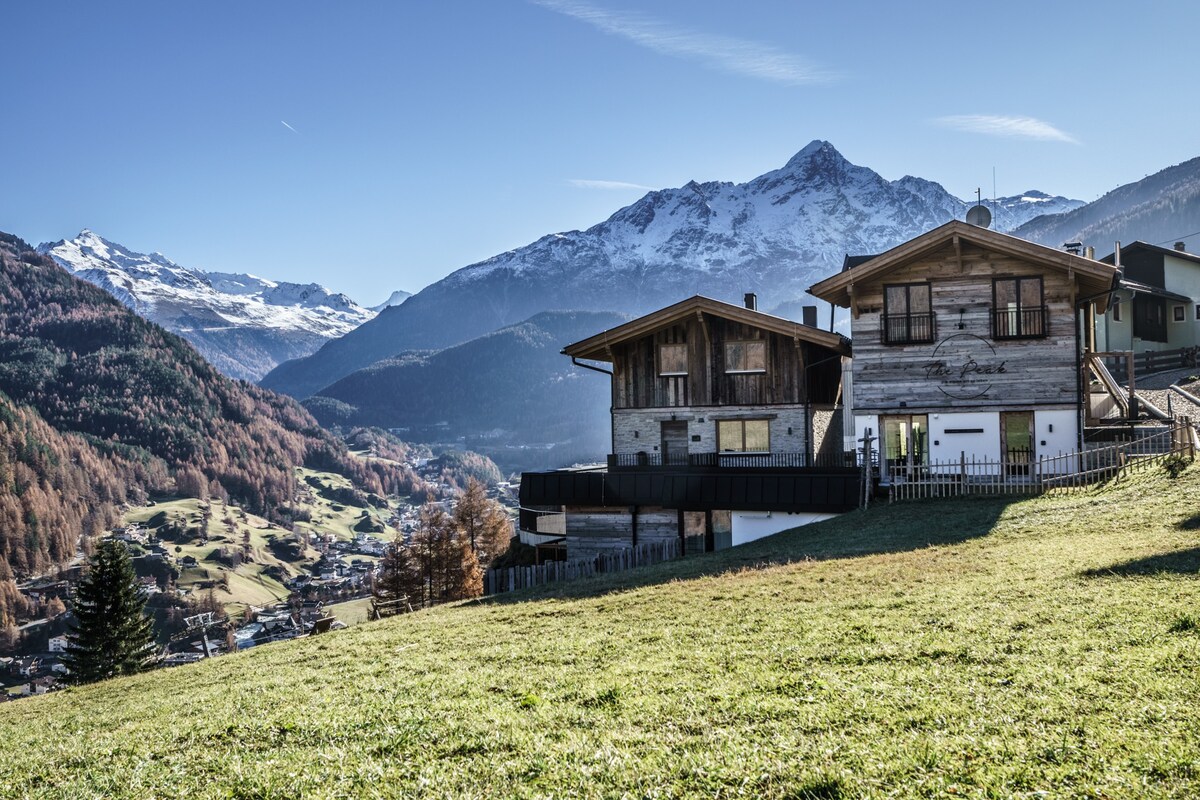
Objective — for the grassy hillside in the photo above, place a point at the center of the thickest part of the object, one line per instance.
(977, 648)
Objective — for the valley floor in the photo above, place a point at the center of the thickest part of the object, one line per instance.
(968, 648)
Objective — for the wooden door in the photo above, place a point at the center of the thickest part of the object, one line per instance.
(674, 443)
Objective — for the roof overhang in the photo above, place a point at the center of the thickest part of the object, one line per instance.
(1093, 277)
(1155, 291)
(598, 347)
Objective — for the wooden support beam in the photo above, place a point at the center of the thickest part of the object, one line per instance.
(958, 253)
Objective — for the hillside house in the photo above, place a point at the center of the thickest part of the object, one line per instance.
(1157, 303)
(968, 342)
(726, 426)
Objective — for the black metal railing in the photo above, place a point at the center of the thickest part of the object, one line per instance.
(726, 460)
(1024, 323)
(907, 328)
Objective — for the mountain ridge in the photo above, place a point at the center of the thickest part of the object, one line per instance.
(242, 323)
(774, 235)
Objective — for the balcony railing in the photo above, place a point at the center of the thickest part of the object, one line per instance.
(1024, 323)
(708, 461)
(907, 328)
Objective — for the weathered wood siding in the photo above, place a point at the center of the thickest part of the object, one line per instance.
(590, 531)
(964, 367)
(637, 383)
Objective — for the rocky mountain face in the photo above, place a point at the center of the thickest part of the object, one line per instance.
(244, 325)
(774, 235)
(396, 298)
(1157, 209)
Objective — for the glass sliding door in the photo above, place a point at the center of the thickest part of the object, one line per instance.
(905, 440)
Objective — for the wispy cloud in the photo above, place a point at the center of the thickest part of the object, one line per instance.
(588, 184)
(289, 127)
(1018, 127)
(739, 56)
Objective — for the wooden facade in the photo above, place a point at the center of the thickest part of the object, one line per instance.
(968, 343)
(638, 381)
(965, 364)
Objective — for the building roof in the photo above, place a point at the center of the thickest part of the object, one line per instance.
(850, 262)
(1156, 291)
(1093, 276)
(596, 348)
(1153, 248)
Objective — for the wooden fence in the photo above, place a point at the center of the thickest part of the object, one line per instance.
(1069, 472)
(1150, 361)
(496, 581)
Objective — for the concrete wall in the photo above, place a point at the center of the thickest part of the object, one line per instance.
(751, 525)
(637, 430)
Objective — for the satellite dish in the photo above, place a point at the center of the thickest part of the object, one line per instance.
(979, 215)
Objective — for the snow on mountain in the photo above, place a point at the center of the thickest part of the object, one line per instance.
(397, 297)
(774, 235)
(245, 325)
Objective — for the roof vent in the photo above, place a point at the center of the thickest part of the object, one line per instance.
(1180, 247)
(751, 301)
(1074, 248)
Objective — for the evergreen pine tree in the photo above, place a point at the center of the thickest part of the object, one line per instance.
(110, 636)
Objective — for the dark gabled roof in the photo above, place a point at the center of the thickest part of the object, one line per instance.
(1093, 276)
(596, 348)
(1152, 248)
(851, 262)
(1156, 291)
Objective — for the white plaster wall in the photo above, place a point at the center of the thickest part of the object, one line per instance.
(1182, 277)
(751, 525)
(950, 446)
(1060, 441)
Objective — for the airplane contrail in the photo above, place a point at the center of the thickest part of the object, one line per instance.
(289, 127)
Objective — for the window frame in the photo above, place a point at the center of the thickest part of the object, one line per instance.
(662, 373)
(1178, 314)
(1020, 333)
(908, 315)
(1116, 310)
(722, 449)
(756, 371)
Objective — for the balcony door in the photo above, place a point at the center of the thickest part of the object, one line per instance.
(1016, 440)
(905, 440)
(674, 443)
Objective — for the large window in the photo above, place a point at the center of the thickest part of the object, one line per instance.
(744, 435)
(907, 314)
(1018, 311)
(749, 356)
(672, 359)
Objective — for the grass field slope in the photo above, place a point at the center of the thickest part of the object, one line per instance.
(963, 648)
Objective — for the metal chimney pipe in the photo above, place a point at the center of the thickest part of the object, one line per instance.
(1117, 256)
(1090, 252)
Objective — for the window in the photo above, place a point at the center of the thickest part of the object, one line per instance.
(748, 356)
(744, 435)
(1177, 314)
(672, 359)
(907, 314)
(1198, 312)
(1116, 310)
(1017, 309)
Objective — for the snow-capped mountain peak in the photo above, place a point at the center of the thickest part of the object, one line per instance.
(243, 323)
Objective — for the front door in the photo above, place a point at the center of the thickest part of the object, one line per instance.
(904, 442)
(1016, 440)
(674, 443)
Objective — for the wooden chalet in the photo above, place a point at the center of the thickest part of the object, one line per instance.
(726, 426)
(969, 343)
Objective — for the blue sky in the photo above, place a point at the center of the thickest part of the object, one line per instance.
(421, 137)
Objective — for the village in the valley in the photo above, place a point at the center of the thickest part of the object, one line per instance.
(246, 583)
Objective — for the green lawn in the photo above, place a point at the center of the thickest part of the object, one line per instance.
(958, 648)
